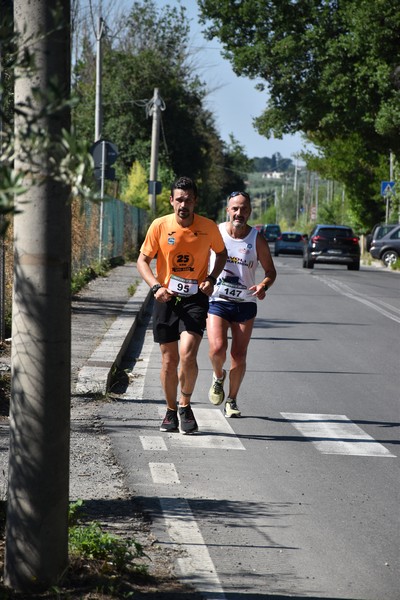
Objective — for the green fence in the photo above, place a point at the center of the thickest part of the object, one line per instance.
(105, 231)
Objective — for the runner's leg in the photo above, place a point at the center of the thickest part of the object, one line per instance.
(241, 334)
(169, 372)
(188, 349)
(217, 333)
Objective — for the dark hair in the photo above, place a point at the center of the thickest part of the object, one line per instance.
(184, 183)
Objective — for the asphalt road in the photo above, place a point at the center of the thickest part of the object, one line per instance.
(299, 497)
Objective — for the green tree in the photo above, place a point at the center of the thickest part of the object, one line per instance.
(151, 50)
(331, 70)
(135, 192)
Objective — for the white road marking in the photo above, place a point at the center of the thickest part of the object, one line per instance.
(196, 567)
(153, 442)
(346, 290)
(336, 434)
(214, 431)
(164, 473)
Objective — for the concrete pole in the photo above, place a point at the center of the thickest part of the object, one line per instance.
(98, 123)
(2, 243)
(98, 116)
(38, 483)
(156, 108)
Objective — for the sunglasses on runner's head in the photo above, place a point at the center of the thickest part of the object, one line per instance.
(245, 194)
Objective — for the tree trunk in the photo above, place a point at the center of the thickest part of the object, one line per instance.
(38, 485)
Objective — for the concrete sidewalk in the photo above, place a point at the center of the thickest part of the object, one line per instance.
(104, 319)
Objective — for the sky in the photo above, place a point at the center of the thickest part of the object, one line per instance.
(233, 100)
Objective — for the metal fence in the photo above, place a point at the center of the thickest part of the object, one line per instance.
(121, 234)
(106, 231)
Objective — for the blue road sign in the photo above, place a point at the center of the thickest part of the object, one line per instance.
(387, 188)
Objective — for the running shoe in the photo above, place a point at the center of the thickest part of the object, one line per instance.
(216, 395)
(188, 423)
(170, 422)
(231, 409)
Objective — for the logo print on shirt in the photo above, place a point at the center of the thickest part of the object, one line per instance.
(182, 262)
(171, 241)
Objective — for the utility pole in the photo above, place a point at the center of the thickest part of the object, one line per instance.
(38, 476)
(98, 117)
(391, 160)
(156, 106)
(98, 126)
(2, 242)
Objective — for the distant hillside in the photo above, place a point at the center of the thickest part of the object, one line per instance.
(275, 163)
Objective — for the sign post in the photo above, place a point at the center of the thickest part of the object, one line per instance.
(104, 154)
(387, 189)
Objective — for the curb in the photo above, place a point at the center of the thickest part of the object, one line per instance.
(95, 376)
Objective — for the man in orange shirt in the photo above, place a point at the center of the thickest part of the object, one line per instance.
(182, 242)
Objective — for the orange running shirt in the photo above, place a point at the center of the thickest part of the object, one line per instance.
(182, 251)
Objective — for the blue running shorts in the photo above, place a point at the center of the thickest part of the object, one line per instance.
(233, 312)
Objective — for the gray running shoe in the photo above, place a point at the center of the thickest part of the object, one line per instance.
(231, 409)
(216, 395)
(170, 421)
(188, 423)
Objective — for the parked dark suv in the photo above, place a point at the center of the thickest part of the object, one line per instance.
(387, 248)
(332, 244)
(378, 232)
(271, 232)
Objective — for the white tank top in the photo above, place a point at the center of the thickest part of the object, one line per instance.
(240, 268)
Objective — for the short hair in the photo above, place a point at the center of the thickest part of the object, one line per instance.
(245, 194)
(184, 183)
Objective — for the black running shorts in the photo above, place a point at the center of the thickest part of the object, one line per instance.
(177, 315)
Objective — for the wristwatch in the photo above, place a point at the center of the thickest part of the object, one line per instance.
(265, 287)
(155, 288)
(212, 279)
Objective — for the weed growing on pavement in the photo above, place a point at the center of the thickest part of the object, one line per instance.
(82, 277)
(91, 542)
(132, 288)
(366, 259)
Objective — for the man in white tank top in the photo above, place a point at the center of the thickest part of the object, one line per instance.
(233, 304)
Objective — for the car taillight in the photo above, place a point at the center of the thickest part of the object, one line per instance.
(352, 240)
(279, 238)
(317, 238)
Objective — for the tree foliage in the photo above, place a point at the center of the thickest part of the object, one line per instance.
(68, 160)
(331, 71)
(149, 48)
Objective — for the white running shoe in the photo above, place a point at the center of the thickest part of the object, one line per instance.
(231, 409)
(216, 395)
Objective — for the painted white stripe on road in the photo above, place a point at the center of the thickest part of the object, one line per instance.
(214, 431)
(164, 473)
(153, 442)
(336, 434)
(197, 568)
(346, 290)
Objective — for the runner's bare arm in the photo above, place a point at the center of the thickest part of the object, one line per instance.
(267, 263)
(207, 286)
(145, 271)
(220, 260)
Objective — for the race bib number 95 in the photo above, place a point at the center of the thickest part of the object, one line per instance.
(183, 287)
